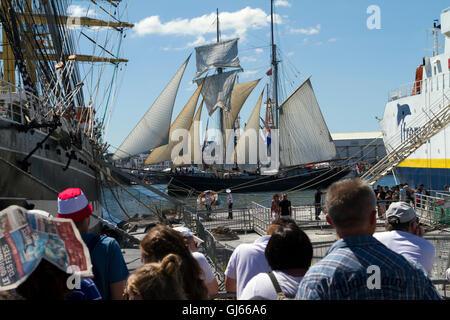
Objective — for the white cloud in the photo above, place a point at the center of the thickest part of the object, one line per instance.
(79, 11)
(310, 31)
(332, 40)
(249, 73)
(290, 54)
(248, 59)
(259, 50)
(235, 24)
(198, 42)
(282, 3)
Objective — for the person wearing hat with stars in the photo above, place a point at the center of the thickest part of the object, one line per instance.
(110, 269)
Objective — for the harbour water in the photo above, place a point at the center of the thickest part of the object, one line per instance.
(114, 213)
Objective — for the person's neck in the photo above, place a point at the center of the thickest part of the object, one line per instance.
(298, 272)
(345, 234)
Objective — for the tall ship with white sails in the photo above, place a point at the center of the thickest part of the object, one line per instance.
(410, 107)
(304, 139)
(53, 110)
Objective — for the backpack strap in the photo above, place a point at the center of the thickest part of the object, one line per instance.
(275, 283)
(280, 294)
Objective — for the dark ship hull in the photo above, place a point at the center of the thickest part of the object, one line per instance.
(47, 171)
(301, 178)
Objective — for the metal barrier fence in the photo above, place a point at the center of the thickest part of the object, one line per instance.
(241, 220)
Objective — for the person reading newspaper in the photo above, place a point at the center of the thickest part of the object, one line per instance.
(41, 257)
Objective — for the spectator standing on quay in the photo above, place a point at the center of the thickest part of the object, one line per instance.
(380, 202)
(275, 209)
(289, 253)
(404, 235)
(156, 281)
(357, 266)
(161, 241)
(318, 202)
(208, 203)
(286, 209)
(230, 204)
(109, 267)
(247, 260)
(207, 273)
(402, 193)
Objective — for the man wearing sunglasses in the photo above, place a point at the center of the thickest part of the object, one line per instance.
(404, 235)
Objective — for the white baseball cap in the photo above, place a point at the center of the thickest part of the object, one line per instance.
(403, 211)
(188, 233)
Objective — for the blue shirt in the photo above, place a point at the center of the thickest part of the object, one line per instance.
(87, 291)
(344, 274)
(109, 265)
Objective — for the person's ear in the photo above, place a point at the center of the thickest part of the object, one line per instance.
(329, 220)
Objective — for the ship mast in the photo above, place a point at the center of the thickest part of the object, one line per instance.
(219, 71)
(275, 68)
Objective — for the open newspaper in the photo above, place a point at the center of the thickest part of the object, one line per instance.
(26, 238)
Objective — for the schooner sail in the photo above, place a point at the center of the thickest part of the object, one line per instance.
(153, 129)
(217, 55)
(251, 132)
(304, 135)
(183, 121)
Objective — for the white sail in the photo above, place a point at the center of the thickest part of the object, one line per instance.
(217, 90)
(239, 95)
(153, 129)
(251, 131)
(195, 150)
(183, 121)
(217, 55)
(304, 135)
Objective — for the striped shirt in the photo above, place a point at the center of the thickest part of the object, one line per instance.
(349, 272)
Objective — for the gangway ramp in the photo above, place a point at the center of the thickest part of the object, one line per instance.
(436, 122)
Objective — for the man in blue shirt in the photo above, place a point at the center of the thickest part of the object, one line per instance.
(358, 266)
(110, 269)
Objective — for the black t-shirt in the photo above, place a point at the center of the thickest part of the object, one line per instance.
(284, 205)
(318, 197)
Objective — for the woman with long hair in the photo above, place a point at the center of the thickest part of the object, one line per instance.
(161, 241)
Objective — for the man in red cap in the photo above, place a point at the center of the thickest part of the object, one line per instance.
(110, 270)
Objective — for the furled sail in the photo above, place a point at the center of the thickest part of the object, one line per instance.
(217, 55)
(304, 135)
(153, 129)
(251, 131)
(239, 95)
(217, 90)
(183, 121)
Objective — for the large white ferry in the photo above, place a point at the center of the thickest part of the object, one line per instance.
(411, 106)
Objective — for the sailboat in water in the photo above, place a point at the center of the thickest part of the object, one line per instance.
(284, 155)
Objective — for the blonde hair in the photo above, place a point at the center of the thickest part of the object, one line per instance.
(158, 281)
(161, 241)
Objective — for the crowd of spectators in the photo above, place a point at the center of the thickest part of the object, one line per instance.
(360, 265)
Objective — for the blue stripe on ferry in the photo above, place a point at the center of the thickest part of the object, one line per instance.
(431, 178)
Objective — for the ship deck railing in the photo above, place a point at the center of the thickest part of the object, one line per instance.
(438, 82)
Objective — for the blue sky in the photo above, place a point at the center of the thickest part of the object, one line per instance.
(352, 67)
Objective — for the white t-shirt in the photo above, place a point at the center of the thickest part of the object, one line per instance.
(246, 261)
(207, 274)
(410, 246)
(261, 286)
